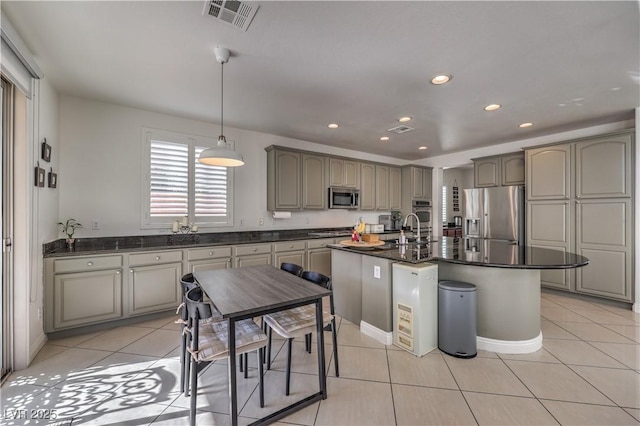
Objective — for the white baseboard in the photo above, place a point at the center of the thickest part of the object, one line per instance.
(37, 345)
(386, 338)
(508, 346)
(636, 307)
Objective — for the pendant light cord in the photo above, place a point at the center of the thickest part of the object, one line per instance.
(222, 101)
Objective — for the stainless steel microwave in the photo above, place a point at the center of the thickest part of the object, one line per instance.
(343, 198)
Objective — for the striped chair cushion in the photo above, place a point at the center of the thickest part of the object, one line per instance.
(213, 343)
(295, 322)
(217, 316)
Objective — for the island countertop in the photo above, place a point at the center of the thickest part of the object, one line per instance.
(473, 251)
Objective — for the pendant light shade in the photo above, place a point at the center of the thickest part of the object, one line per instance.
(222, 154)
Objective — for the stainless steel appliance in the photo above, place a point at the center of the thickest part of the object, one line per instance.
(343, 198)
(495, 213)
(423, 211)
(391, 222)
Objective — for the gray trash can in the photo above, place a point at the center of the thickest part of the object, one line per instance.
(457, 324)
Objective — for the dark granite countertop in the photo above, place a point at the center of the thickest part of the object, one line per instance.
(471, 251)
(107, 245)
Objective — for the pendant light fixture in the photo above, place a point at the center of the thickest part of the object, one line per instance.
(222, 154)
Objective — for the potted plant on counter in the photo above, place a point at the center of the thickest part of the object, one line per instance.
(69, 228)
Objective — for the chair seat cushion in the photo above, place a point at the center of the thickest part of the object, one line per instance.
(213, 339)
(295, 322)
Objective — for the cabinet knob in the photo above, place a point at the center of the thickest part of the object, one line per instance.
(210, 253)
(89, 263)
(291, 246)
(157, 257)
(131, 270)
(117, 272)
(255, 249)
(577, 196)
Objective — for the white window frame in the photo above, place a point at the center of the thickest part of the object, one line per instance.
(193, 141)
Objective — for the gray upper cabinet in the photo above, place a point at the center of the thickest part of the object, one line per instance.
(382, 188)
(486, 172)
(367, 186)
(344, 172)
(416, 183)
(284, 179)
(395, 188)
(548, 172)
(502, 170)
(512, 169)
(314, 191)
(603, 167)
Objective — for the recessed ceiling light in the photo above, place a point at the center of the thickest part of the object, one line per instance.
(441, 79)
(492, 107)
(422, 147)
(404, 119)
(526, 125)
(384, 138)
(333, 126)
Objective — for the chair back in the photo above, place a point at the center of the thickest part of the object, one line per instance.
(197, 309)
(292, 268)
(187, 282)
(317, 278)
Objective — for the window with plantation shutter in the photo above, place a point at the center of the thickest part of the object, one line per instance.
(177, 185)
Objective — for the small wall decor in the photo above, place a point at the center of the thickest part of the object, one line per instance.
(456, 199)
(39, 176)
(46, 151)
(53, 179)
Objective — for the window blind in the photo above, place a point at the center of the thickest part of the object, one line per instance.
(169, 179)
(211, 195)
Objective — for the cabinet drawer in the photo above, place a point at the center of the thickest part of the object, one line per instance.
(252, 249)
(155, 257)
(289, 246)
(208, 253)
(321, 243)
(86, 264)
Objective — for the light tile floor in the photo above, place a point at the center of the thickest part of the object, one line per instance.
(587, 373)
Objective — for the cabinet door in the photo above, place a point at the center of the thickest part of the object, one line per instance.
(417, 182)
(426, 183)
(549, 226)
(382, 188)
(314, 194)
(319, 260)
(548, 172)
(85, 298)
(351, 174)
(210, 265)
(604, 236)
(486, 172)
(603, 167)
(395, 188)
(296, 257)
(367, 186)
(512, 169)
(154, 288)
(284, 180)
(258, 259)
(336, 172)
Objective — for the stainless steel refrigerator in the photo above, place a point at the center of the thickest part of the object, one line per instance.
(495, 213)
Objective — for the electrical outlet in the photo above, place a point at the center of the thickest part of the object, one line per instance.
(95, 225)
(241, 222)
(376, 271)
(40, 313)
(261, 221)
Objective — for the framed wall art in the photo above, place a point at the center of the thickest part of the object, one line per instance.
(46, 151)
(53, 179)
(39, 176)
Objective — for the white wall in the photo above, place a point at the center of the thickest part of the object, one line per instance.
(462, 178)
(101, 176)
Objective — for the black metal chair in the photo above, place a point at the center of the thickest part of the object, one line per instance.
(292, 268)
(301, 321)
(208, 341)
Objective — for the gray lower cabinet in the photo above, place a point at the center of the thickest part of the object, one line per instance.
(607, 244)
(154, 281)
(209, 259)
(252, 255)
(319, 256)
(289, 252)
(82, 290)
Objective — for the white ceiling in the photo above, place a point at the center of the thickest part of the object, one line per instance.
(302, 65)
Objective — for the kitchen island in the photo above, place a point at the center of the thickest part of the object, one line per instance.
(507, 278)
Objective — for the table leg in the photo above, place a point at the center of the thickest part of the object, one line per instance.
(233, 393)
(321, 361)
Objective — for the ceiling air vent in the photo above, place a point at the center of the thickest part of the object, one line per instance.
(400, 129)
(236, 13)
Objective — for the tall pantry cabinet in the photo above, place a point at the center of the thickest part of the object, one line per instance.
(579, 199)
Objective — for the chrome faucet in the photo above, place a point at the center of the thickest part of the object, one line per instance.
(406, 219)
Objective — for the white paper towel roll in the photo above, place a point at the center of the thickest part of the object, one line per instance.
(282, 215)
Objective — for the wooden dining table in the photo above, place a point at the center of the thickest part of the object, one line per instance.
(253, 291)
